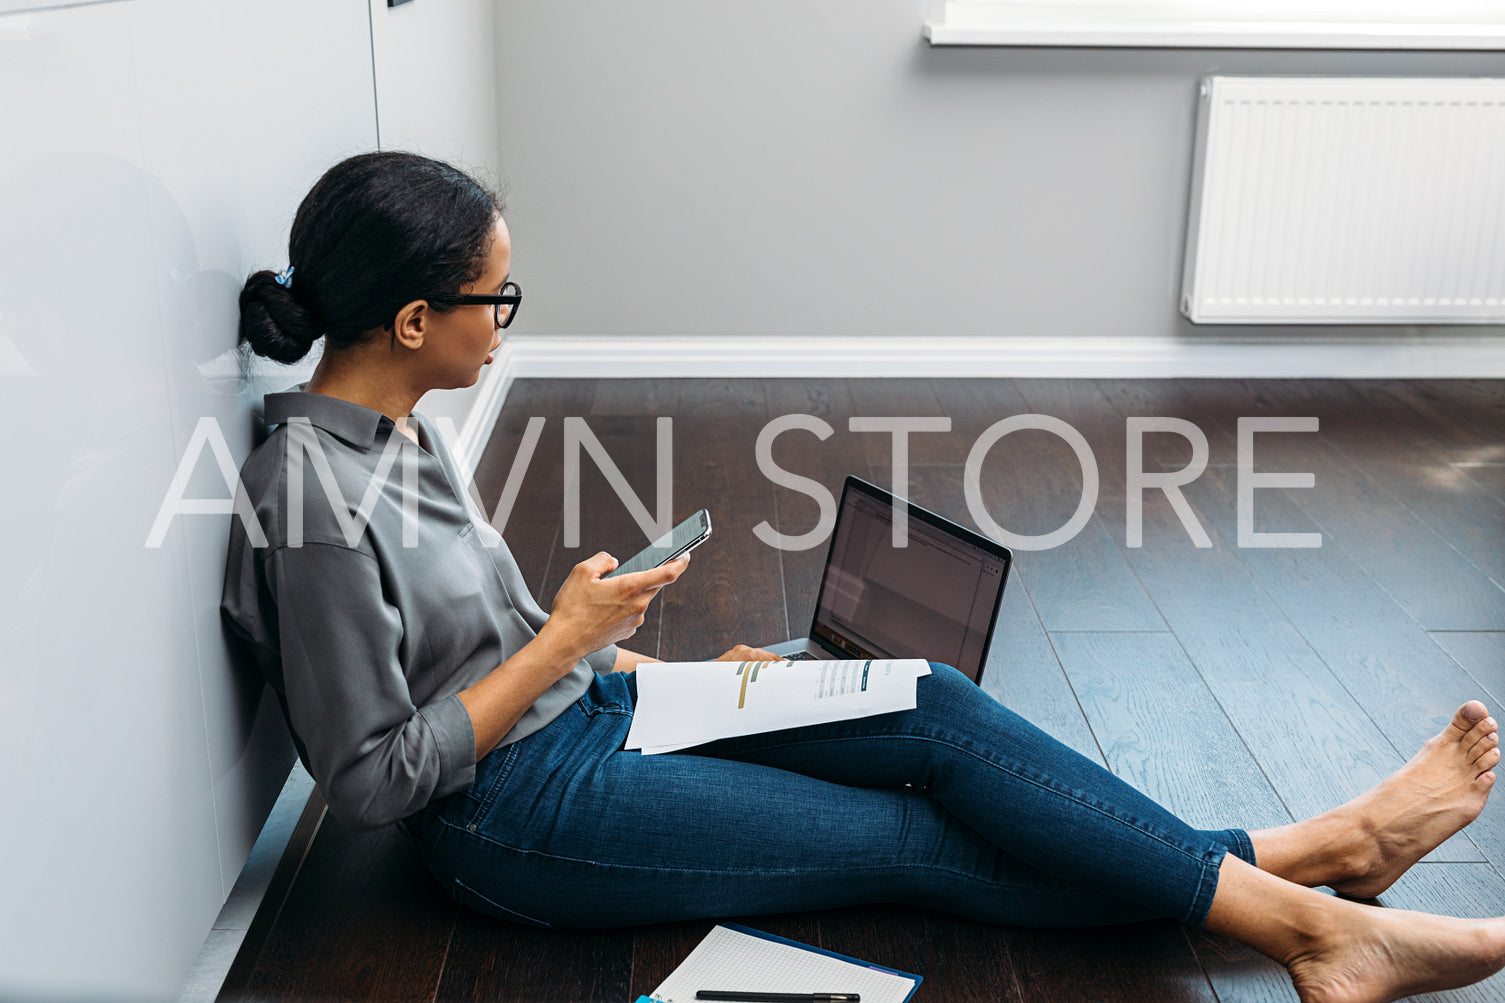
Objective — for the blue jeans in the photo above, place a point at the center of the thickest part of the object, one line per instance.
(1000, 823)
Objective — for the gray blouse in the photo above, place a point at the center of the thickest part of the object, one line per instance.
(367, 628)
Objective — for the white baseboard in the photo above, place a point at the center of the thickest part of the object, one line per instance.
(666, 357)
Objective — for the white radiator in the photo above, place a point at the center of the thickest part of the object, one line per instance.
(1347, 200)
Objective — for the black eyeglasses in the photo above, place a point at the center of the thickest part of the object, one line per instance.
(504, 305)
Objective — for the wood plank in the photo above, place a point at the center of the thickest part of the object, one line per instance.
(1412, 466)
(657, 950)
(1240, 974)
(1031, 480)
(1489, 476)
(1464, 419)
(1422, 474)
(1395, 672)
(908, 398)
(1452, 541)
(635, 397)
(827, 462)
(1294, 716)
(731, 593)
(289, 865)
(1253, 624)
(532, 529)
(1388, 665)
(1162, 731)
(1464, 513)
(1024, 673)
(1482, 656)
(1121, 964)
(1468, 890)
(364, 921)
(1081, 405)
(1481, 400)
(1353, 510)
(1031, 483)
(491, 961)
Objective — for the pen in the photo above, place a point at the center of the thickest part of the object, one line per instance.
(780, 997)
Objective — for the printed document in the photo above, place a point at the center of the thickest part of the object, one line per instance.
(681, 704)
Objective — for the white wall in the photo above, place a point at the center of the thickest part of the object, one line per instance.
(436, 95)
(779, 168)
(154, 152)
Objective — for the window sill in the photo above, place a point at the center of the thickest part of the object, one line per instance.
(989, 22)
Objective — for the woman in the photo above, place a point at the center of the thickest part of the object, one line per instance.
(425, 686)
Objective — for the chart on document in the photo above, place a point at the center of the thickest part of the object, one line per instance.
(681, 704)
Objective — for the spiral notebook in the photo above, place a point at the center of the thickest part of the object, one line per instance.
(737, 958)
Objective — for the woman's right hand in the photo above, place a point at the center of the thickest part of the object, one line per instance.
(591, 612)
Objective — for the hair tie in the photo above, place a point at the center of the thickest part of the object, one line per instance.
(285, 278)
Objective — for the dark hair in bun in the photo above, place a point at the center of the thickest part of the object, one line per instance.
(375, 233)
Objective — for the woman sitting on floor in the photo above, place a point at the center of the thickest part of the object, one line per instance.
(425, 686)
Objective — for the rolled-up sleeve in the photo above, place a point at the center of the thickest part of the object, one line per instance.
(376, 755)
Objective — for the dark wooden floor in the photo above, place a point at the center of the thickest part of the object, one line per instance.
(1239, 686)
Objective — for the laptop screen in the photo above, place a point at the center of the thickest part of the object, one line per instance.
(936, 598)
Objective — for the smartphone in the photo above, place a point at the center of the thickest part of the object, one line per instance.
(680, 540)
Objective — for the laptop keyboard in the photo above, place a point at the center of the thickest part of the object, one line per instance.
(800, 656)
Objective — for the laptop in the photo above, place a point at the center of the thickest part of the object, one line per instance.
(936, 598)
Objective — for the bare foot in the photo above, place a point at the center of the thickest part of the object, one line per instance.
(1374, 955)
(1410, 813)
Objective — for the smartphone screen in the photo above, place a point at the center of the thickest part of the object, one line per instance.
(679, 540)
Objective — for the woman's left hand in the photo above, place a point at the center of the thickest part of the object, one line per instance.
(745, 653)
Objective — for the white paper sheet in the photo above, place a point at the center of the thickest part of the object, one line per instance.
(681, 704)
(729, 959)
